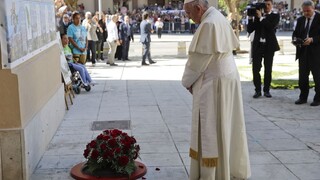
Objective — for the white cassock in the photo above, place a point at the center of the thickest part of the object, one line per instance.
(218, 147)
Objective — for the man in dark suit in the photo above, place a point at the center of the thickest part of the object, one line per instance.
(307, 32)
(125, 35)
(264, 45)
(145, 39)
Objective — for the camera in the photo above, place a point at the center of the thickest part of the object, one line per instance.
(251, 8)
(297, 42)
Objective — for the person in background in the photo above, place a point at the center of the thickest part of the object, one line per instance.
(90, 23)
(307, 30)
(85, 76)
(218, 147)
(64, 24)
(103, 25)
(145, 39)
(77, 35)
(125, 35)
(113, 39)
(159, 26)
(264, 45)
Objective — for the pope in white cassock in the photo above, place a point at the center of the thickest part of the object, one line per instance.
(218, 148)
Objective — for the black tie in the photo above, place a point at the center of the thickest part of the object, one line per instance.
(307, 27)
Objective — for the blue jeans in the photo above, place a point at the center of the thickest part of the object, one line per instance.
(83, 72)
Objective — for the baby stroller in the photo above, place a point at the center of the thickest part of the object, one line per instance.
(77, 82)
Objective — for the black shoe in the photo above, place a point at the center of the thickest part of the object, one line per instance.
(267, 94)
(144, 64)
(256, 95)
(128, 59)
(315, 103)
(301, 101)
(152, 62)
(108, 63)
(114, 64)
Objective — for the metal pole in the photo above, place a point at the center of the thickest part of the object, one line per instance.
(100, 9)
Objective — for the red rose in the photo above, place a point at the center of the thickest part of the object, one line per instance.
(107, 132)
(94, 154)
(100, 137)
(117, 150)
(115, 132)
(93, 144)
(103, 147)
(126, 145)
(112, 143)
(123, 160)
(86, 153)
(106, 138)
(133, 140)
(108, 155)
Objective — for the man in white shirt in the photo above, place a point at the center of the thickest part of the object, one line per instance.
(159, 26)
(113, 39)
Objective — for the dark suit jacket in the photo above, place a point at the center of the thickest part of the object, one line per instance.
(267, 28)
(145, 30)
(125, 33)
(314, 32)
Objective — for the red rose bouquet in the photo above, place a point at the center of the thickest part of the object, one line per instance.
(114, 150)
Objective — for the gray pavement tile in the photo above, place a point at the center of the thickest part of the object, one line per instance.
(146, 115)
(302, 132)
(54, 174)
(149, 128)
(183, 147)
(180, 128)
(271, 171)
(110, 116)
(157, 147)
(185, 159)
(161, 159)
(48, 162)
(140, 109)
(153, 137)
(282, 144)
(166, 173)
(298, 156)
(69, 161)
(181, 136)
(70, 123)
(74, 131)
(262, 158)
(65, 149)
(269, 134)
(157, 120)
(260, 125)
(254, 146)
(306, 171)
(61, 139)
(178, 120)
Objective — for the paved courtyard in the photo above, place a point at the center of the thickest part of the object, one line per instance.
(283, 138)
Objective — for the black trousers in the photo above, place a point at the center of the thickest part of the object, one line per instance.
(125, 49)
(307, 64)
(159, 31)
(92, 48)
(256, 68)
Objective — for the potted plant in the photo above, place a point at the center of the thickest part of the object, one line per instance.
(111, 154)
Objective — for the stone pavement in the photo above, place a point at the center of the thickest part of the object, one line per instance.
(283, 138)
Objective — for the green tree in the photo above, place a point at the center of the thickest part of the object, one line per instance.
(233, 9)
